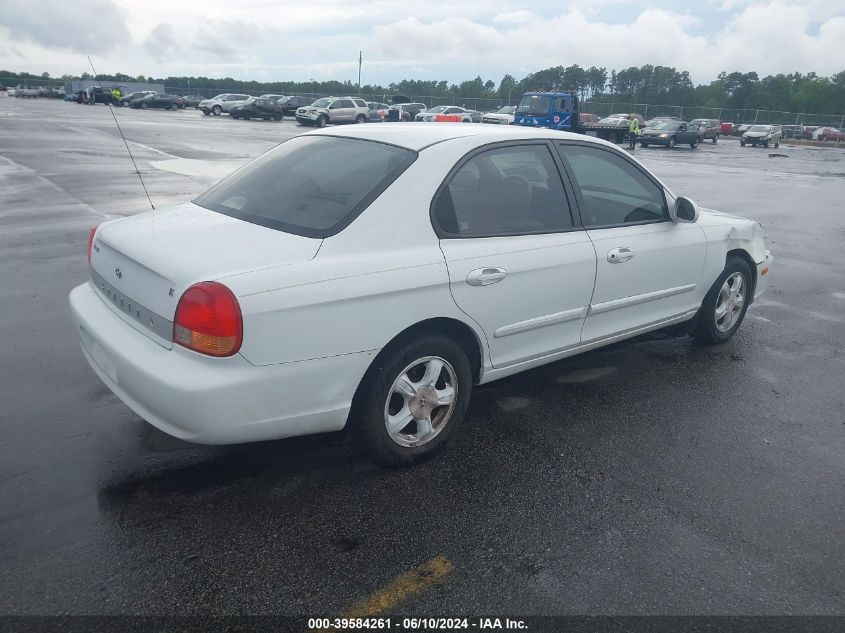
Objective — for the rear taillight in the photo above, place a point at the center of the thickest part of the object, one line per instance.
(208, 320)
(91, 235)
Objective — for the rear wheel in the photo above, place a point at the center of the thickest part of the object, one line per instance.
(765, 143)
(174, 106)
(725, 304)
(413, 400)
(360, 119)
(247, 116)
(694, 144)
(143, 106)
(742, 143)
(643, 144)
(777, 144)
(277, 116)
(715, 139)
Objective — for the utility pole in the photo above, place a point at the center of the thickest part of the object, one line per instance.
(360, 61)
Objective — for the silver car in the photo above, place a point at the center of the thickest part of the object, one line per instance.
(764, 135)
(221, 103)
(333, 110)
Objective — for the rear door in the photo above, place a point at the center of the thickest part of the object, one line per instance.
(648, 268)
(518, 263)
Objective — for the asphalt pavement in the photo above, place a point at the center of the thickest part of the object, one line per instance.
(655, 477)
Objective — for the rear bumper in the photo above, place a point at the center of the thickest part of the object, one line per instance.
(213, 400)
(763, 272)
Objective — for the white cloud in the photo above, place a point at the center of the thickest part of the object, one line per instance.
(263, 39)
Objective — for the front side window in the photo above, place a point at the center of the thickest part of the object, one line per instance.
(613, 191)
(290, 189)
(504, 191)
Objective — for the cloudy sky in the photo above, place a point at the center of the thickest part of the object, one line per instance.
(447, 39)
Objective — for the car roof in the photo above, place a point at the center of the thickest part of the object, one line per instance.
(416, 136)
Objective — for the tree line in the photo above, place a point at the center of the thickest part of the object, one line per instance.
(794, 92)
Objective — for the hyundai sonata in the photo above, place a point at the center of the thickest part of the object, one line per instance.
(370, 276)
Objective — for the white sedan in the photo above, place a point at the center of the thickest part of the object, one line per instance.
(291, 299)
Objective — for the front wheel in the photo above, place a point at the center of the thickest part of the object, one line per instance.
(322, 121)
(742, 143)
(143, 106)
(412, 400)
(174, 106)
(247, 116)
(777, 144)
(671, 143)
(725, 304)
(217, 110)
(277, 116)
(206, 112)
(694, 144)
(766, 144)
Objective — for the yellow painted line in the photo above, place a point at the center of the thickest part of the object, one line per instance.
(402, 587)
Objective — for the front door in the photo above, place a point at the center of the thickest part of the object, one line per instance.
(518, 264)
(648, 267)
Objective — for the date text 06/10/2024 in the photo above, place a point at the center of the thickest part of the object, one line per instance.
(414, 624)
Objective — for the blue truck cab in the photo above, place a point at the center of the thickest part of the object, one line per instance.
(554, 110)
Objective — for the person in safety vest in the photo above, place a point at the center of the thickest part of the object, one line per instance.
(633, 131)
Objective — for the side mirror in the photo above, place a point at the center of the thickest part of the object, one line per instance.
(684, 210)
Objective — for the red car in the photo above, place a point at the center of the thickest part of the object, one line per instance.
(831, 134)
(727, 128)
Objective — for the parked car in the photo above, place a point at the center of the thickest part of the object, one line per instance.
(622, 115)
(159, 100)
(72, 96)
(221, 103)
(257, 108)
(828, 134)
(376, 111)
(430, 116)
(291, 104)
(257, 345)
(741, 129)
(125, 100)
(726, 128)
(712, 128)
(192, 101)
(404, 111)
(333, 110)
(26, 93)
(764, 135)
(672, 133)
(502, 116)
(586, 117)
(273, 97)
(654, 121)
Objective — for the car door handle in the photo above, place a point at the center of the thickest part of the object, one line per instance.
(619, 255)
(486, 276)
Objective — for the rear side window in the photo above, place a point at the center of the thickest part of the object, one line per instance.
(613, 191)
(310, 185)
(360, 103)
(504, 191)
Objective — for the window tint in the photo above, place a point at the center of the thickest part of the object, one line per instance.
(289, 188)
(346, 103)
(613, 190)
(360, 103)
(505, 191)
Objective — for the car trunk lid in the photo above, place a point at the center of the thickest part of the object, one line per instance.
(142, 265)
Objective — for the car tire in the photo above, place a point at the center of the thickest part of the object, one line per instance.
(777, 144)
(382, 397)
(643, 144)
(235, 116)
(277, 116)
(174, 106)
(143, 106)
(360, 119)
(247, 116)
(205, 112)
(694, 144)
(715, 139)
(742, 143)
(766, 144)
(217, 110)
(671, 143)
(710, 327)
(322, 121)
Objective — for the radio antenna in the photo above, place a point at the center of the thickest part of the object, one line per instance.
(129, 151)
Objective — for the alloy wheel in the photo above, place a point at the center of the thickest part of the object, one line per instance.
(421, 401)
(730, 301)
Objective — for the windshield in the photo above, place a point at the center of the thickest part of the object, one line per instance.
(437, 109)
(506, 110)
(666, 125)
(759, 128)
(322, 103)
(289, 189)
(534, 104)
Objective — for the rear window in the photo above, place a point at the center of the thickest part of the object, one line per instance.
(310, 185)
